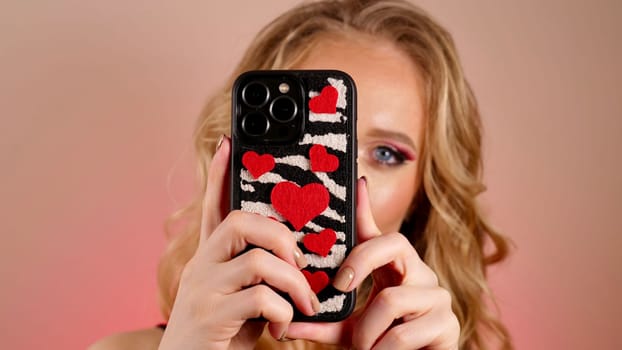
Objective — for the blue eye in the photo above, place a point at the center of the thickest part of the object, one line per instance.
(388, 156)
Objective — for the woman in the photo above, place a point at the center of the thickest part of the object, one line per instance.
(419, 266)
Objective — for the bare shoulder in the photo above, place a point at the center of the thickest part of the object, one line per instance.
(143, 339)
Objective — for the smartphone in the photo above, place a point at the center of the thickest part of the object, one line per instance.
(294, 160)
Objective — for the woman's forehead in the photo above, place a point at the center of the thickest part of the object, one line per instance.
(389, 85)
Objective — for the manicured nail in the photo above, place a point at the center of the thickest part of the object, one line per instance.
(220, 140)
(364, 180)
(300, 259)
(344, 278)
(315, 303)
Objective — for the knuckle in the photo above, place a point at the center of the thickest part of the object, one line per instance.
(235, 213)
(234, 219)
(444, 297)
(398, 337)
(405, 248)
(230, 216)
(387, 298)
(255, 258)
(289, 313)
(238, 224)
(358, 250)
(396, 239)
(284, 238)
(260, 295)
(292, 238)
(399, 238)
(430, 274)
(454, 324)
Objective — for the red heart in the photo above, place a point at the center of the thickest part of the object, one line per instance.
(317, 280)
(257, 165)
(321, 160)
(299, 205)
(320, 243)
(326, 101)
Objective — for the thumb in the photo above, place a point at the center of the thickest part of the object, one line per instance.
(366, 227)
(216, 199)
(324, 333)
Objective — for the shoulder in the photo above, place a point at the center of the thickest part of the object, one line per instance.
(144, 339)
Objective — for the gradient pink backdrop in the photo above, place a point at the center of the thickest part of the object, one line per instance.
(98, 103)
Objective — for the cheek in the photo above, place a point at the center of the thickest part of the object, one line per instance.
(391, 197)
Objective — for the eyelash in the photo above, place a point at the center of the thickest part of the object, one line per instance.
(399, 157)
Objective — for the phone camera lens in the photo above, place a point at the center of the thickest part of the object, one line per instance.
(255, 124)
(255, 94)
(283, 109)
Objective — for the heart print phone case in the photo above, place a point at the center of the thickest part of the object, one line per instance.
(294, 161)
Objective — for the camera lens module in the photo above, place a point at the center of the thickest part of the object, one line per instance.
(283, 108)
(255, 94)
(255, 124)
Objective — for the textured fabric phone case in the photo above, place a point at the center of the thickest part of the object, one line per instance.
(309, 184)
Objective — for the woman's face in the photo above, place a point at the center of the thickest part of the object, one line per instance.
(390, 119)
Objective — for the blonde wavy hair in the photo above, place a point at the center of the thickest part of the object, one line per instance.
(446, 225)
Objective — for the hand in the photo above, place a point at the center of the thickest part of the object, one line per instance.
(220, 291)
(406, 308)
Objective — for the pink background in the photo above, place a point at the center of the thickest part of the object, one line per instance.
(98, 101)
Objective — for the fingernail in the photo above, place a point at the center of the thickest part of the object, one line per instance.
(300, 259)
(344, 278)
(283, 337)
(219, 143)
(315, 303)
(364, 180)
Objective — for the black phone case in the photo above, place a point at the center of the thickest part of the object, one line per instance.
(309, 185)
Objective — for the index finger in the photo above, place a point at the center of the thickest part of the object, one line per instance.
(366, 227)
(216, 199)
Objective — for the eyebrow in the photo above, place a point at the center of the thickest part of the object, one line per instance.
(383, 133)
